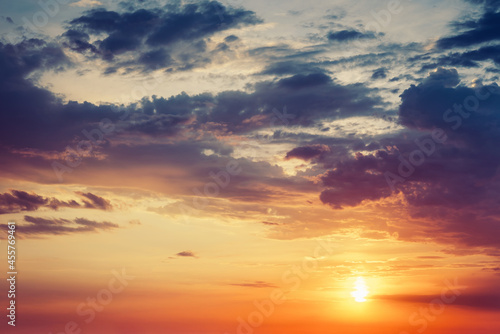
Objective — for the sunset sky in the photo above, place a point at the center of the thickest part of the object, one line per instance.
(267, 167)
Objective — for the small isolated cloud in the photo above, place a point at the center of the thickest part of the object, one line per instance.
(270, 224)
(186, 254)
(86, 3)
(135, 222)
(380, 73)
(7, 19)
(95, 202)
(256, 284)
(349, 35)
(307, 152)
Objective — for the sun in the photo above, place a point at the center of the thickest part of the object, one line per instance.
(360, 290)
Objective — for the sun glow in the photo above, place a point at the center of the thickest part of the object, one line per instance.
(360, 290)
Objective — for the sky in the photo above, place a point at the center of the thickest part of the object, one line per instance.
(233, 166)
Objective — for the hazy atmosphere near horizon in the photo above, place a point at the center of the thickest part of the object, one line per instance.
(250, 167)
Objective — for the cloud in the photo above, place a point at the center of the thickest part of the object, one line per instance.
(186, 254)
(231, 38)
(349, 35)
(291, 67)
(95, 202)
(37, 226)
(186, 126)
(485, 29)
(447, 78)
(270, 223)
(307, 152)
(7, 19)
(18, 201)
(356, 180)
(310, 97)
(454, 189)
(256, 284)
(175, 37)
(467, 59)
(86, 3)
(380, 73)
(302, 81)
(483, 301)
(135, 222)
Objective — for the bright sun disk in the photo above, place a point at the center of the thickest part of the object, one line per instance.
(360, 290)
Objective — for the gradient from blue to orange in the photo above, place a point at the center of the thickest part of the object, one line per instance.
(251, 167)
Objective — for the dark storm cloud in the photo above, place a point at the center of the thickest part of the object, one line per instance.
(174, 36)
(349, 35)
(37, 226)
